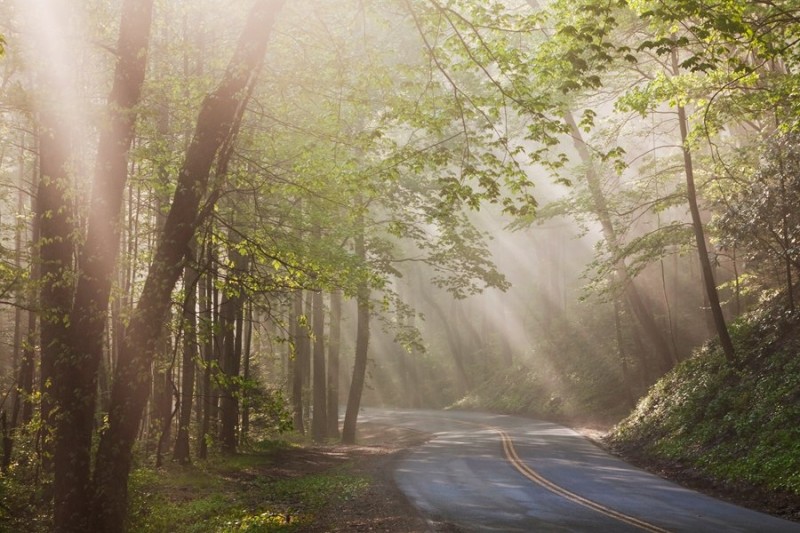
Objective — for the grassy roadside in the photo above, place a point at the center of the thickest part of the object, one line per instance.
(275, 486)
(281, 489)
(734, 430)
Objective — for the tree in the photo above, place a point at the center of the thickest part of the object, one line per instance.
(72, 331)
(759, 216)
(217, 125)
(362, 346)
(191, 278)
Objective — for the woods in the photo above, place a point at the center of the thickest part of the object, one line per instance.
(220, 224)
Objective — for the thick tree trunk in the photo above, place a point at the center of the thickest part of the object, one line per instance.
(362, 347)
(216, 124)
(54, 246)
(230, 363)
(76, 362)
(334, 344)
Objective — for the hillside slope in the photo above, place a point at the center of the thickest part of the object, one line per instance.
(736, 431)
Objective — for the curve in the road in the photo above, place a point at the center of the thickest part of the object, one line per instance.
(525, 470)
(513, 458)
(504, 473)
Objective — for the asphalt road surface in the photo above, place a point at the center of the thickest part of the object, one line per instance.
(484, 472)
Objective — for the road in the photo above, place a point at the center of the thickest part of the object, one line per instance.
(484, 472)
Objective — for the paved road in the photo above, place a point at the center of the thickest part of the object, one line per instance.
(485, 472)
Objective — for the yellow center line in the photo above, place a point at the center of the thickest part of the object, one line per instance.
(513, 458)
(525, 470)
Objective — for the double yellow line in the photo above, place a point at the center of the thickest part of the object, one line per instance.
(525, 470)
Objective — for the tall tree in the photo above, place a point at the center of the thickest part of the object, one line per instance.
(191, 280)
(319, 422)
(334, 345)
(362, 343)
(72, 331)
(217, 124)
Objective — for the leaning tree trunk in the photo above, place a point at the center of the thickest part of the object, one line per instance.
(633, 298)
(362, 346)
(699, 234)
(79, 349)
(220, 114)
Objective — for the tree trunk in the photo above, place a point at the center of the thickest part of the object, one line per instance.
(207, 322)
(362, 346)
(641, 313)
(230, 363)
(248, 338)
(699, 234)
(54, 246)
(319, 422)
(334, 344)
(297, 366)
(79, 347)
(217, 122)
(707, 269)
(191, 278)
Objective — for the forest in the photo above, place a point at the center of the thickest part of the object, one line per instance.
(230, 223)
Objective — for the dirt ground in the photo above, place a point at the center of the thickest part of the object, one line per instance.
(384, 508)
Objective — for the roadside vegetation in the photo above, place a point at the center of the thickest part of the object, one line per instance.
(246, 493)
(735, 425)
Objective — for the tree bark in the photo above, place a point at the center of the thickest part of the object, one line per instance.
(207, 323)
(319, 422)
(334, 344)
(297, 365)
(54, 247)
(699, 234)
(362, 347)
(216, 124)
(191, 278)
(76, 361)
(232, 316)
(246, 349)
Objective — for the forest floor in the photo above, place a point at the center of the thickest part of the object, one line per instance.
(381, 507)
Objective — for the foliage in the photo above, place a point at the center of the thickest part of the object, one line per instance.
(24, 485)
(737, 425)
(759, 217)
(270, 412)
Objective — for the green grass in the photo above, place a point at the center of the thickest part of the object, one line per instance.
(233, 495)
(737, 425)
